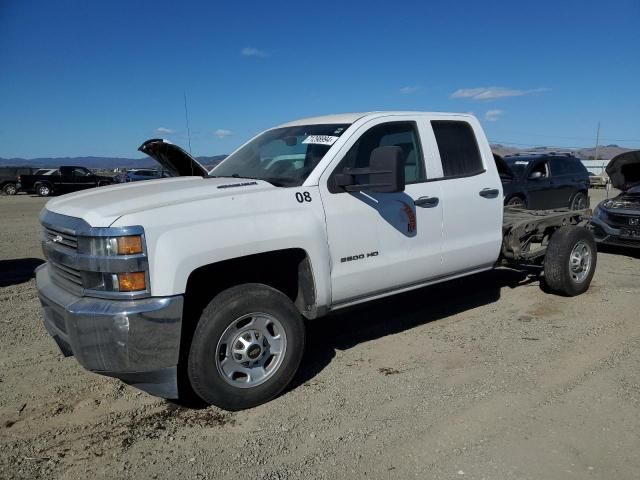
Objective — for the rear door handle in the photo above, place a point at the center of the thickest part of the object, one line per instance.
(426, 202)
(489, 192)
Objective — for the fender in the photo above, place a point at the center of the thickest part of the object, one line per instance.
(181, 238)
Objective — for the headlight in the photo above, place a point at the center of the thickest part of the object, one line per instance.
(598, 212)
(114, 264)
(112, 246)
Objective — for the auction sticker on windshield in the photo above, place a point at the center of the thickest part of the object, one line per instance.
(320, 139)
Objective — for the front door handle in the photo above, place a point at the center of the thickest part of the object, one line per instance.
(426, 202)
(489, 192)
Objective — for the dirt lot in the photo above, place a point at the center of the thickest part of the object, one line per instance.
(487, 377)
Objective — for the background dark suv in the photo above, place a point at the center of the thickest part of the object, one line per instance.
(542, 181)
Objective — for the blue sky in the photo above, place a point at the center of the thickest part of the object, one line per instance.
(99, 78)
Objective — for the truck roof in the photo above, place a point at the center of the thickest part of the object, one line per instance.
(352, 117)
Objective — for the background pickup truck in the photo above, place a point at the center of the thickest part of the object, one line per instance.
(64, 180)
(202, 285)
(9, 178)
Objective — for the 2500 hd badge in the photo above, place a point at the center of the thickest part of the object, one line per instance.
(361, 256)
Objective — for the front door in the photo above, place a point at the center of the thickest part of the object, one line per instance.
(382, 241)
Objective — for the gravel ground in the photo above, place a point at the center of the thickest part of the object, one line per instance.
(485, 377)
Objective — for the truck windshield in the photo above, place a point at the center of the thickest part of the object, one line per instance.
(283, 156)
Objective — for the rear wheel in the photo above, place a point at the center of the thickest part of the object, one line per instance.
(10, 189)
(579, 201)
(570, 261)
(43, 190)
(516, 202)
(246, 348)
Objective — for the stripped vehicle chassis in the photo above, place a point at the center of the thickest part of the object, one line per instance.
(526, 233)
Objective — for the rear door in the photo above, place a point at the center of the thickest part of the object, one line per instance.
(383, 241)
(562, 182)
(471, 196)
(541, 193)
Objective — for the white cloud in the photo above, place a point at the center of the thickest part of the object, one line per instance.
(167, 131)
(491, 93)
(253, 52)
(409, 89)
(222, 133)
(493, 115)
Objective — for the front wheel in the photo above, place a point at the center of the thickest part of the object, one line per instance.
(43, 190)
(579, 201)
(570, 261)
(246, 348)
(10, 189)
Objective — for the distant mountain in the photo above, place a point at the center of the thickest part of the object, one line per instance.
(605, 152)
(105, 163)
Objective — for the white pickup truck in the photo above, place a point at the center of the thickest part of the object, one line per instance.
(203, 283)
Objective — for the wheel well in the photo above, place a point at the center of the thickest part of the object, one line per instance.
(288, 271)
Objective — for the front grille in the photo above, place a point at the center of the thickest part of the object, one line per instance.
(66, 273)
(618, 221)
(62, 238)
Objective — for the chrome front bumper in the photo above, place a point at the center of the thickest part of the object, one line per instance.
(137, 341)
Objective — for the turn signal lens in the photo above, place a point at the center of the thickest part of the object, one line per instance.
(129, 245)
(131, 282)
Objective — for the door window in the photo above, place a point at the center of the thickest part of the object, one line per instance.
(80, 172)
(560, 166)
(458, 148)
(397, 134)
(542, 167)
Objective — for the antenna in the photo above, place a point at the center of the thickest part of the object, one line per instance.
(186, 116)
(597, 142)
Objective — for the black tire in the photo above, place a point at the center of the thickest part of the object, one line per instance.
(10, 189)
(516, 201)
(559, 275)
(205, 352)
(579, 201)
(43, 189)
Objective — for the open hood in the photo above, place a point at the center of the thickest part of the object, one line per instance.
(624, 170)
(173, 158)
(503, 168)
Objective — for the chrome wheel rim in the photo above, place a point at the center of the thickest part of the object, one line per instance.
(251, 350)
(10, 190)
(580, 261)
(579, 203)
(44, 191)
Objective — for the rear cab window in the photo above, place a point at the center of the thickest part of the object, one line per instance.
(458, 147)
